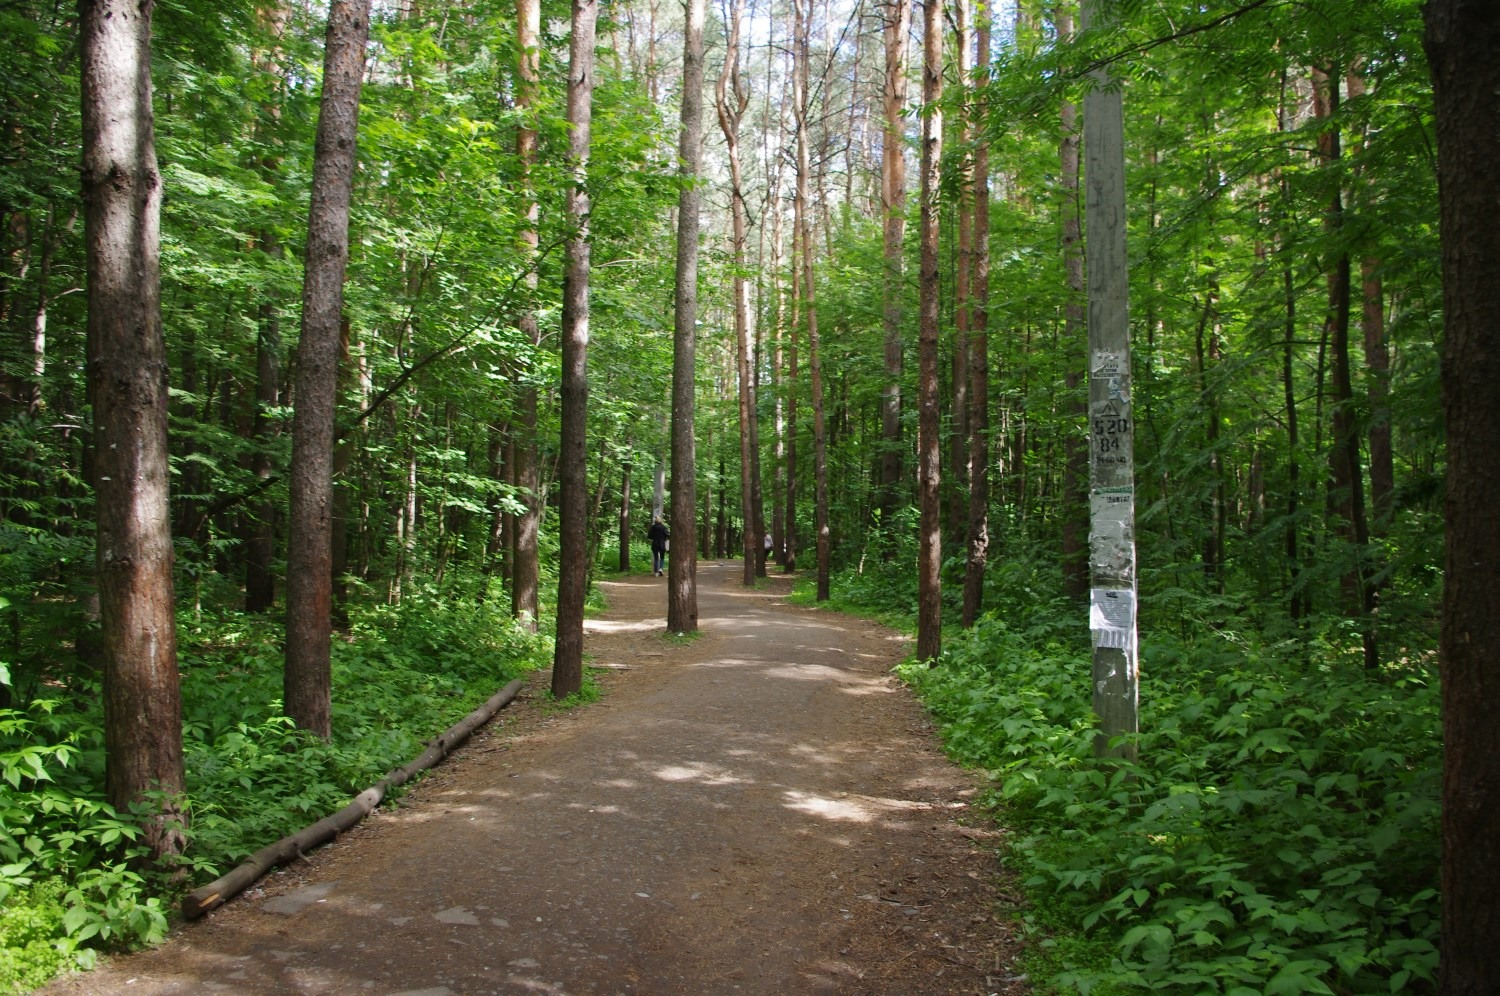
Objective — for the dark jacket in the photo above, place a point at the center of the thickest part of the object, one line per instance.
(658, 536)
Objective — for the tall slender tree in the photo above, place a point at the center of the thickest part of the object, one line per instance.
(1116, 670)
(801, 109)
(979, 356)
(893, 208)
(128, 386)
(682, 566)
(525, 598)
(1075, 453)
(573, 525)
(929, 445)
(309, 622)
(732, 99)
(1462, 39)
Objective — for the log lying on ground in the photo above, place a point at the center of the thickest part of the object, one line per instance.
(217, 892)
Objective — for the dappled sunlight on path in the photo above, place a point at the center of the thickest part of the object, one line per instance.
(760, 809)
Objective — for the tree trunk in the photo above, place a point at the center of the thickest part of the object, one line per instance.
(1075, 455)
(801, 107)
(1462, 39)
(732, 101)
(1112, 615)
(979, 358)
(260, 544)
(957, 478)
(128, 387)
(682, 566)
(929, 446)
(309, 620)
(1347, 494)
(893, 207)
(572, 582)
(625, 517)
(525, 598)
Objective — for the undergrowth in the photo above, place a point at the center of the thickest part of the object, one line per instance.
(1278, 835)
(69, 863)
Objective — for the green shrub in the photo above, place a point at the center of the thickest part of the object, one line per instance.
(1279, 833)
(72, 875)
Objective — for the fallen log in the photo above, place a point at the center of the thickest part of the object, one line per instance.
(220, 890)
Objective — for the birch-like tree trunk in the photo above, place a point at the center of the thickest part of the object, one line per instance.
(309, 621)
(573, 515)
(1111, 417)
(929, 444)
(525, 598)
(128, 387)
(682, 565)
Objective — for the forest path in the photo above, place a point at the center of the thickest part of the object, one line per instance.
(764, 809)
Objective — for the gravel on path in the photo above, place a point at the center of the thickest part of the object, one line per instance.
(763, 809)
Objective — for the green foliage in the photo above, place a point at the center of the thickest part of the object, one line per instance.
(418, 667)
(1278, 835)
(71, 874)
(66, 878)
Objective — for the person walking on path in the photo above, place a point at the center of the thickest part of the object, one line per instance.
(658, 535)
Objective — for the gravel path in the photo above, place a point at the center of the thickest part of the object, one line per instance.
(763, 809)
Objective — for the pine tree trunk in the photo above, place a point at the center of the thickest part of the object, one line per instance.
(525, 598)
(929, 446)
(1075, 456)
(1462, 39)
(979, 359)
(682, 565)
(306, 681)
(732, 102)
(801, 108)
(893, 208)
(957, 477)
(128, 388)
(572, 582)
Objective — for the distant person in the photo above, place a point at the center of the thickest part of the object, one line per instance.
(765, 551)
(658, 537)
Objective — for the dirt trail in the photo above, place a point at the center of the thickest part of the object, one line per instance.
(760, 810)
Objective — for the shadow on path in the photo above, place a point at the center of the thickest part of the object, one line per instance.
(759, 810)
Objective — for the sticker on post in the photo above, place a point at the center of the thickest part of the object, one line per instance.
(1112, 617)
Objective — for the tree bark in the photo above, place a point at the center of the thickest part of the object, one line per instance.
(625, 517)
(1461, 40)
(306, 682)
(979, 358)
(957, 477)
(525, 596)
(929, 445)
(893, 207)
(682, 565)
(1112, 616)
(1347, 490)
(572, 582)
(732, 101)
(1075, 454)
(128, 387)
(801, 107)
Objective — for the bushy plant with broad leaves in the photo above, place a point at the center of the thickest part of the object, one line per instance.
(72, 875)
(1278, 835)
